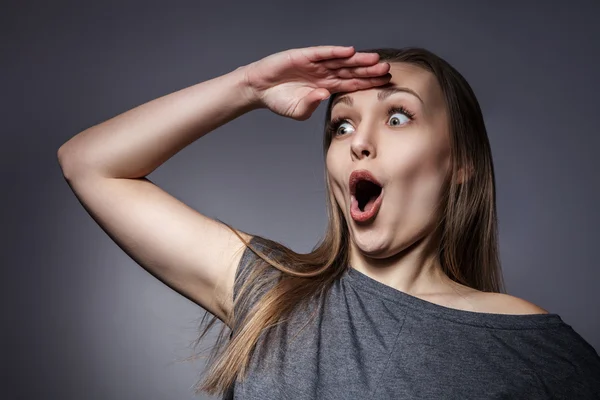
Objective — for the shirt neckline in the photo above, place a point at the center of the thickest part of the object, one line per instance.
(488, 320)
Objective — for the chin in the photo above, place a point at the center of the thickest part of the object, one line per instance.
(372, 244)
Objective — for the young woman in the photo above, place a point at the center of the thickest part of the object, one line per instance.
(402, 298)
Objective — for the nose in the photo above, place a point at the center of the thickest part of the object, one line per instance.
(363, 142)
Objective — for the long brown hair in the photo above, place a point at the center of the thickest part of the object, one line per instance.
(467, 232)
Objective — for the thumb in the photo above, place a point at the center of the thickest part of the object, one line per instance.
(309, 103)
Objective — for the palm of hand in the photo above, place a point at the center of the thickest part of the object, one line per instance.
(292, 83)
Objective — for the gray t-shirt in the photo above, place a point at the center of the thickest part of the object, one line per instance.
(371, 341)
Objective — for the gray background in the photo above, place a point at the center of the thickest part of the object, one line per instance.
(83, 321)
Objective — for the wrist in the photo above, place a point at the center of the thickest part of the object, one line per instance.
(251, 98)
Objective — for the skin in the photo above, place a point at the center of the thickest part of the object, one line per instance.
(410, 158)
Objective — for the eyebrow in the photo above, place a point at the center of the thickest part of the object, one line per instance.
(384, 93)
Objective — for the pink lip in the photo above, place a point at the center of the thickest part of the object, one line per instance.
(359, 175)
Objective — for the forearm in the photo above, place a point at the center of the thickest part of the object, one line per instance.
(135, 143)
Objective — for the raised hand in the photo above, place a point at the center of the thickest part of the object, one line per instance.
(292, 83)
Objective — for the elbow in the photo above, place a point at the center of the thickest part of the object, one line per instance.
(67, 162)
(62, 162)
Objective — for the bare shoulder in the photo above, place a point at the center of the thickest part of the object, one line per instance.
(501, 303)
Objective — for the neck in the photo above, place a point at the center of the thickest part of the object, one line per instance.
(416, 269)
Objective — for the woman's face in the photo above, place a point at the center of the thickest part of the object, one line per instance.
(408, 152)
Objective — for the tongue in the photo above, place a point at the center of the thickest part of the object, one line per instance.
(369, 204)
(369, 210)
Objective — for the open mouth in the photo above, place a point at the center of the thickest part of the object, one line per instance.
(366, 201)
(366, 193)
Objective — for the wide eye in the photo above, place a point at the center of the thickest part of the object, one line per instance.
(405, 117)
(340, 127)
(395, 121)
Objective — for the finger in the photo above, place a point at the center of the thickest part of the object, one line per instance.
(309, 103)
(351, 85)
(363, 72)
(357, 60)
(320, 53)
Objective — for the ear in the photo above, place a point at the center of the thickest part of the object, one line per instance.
(464, 174)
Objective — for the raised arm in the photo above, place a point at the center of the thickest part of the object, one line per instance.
(106, 164)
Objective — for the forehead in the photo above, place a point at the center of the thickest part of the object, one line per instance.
(406, 76)
(414, 77)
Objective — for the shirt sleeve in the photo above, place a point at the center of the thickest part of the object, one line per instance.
(244, 269)
(573, 371)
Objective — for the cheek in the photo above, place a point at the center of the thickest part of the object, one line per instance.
(419, 174)
(410, 161)
(335, 174)
(420, 156)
